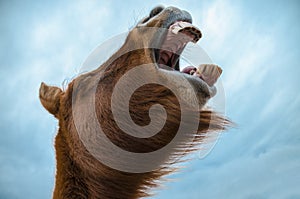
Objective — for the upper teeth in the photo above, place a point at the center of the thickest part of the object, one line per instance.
(176, 29)
(181, 25)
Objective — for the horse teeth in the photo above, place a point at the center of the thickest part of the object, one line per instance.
(181, 26)
(176, 29)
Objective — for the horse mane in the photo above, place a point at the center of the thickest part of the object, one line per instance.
(81, 175)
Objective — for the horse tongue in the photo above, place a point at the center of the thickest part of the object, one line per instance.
(189, 70)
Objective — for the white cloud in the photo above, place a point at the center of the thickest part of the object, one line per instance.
(219, 20)
(249, 66)
(225, 35)
(56, 46)
(258, 162)
(273, 105)
(246, 177)
(45, 32)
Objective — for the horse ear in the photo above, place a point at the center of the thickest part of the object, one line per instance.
(50, 98)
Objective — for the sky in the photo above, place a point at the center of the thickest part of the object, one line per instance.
(255, 42)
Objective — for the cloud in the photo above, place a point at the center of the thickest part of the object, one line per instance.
(50, 49)
(224, 34)
(257, 160)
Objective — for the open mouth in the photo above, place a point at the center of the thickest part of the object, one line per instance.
(178, 35)
(167, 57)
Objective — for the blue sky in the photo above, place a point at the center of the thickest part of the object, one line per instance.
(256, 43)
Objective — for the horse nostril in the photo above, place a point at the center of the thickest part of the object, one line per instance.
(156, 11)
